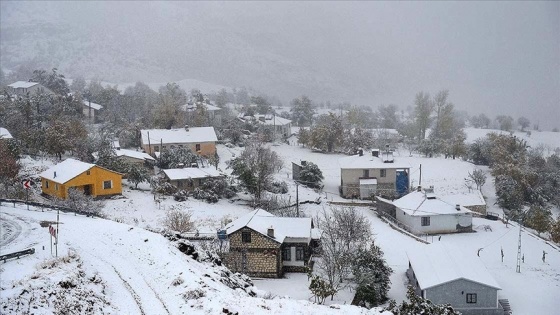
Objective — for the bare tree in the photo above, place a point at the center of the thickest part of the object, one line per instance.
(77, 200)
(178, 221)
(345, 231)
(478, 178)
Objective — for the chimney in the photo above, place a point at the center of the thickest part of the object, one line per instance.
(54, 174)
(458, 207)
(180, 165)
(375, 153)
(270, 231)
(186, 127)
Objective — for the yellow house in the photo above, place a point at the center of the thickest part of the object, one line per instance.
(92, 179)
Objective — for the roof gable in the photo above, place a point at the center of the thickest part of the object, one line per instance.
(22, 84)
(437, 264)
(66, 170)
(418, 203)
(190, 172)
(367, 161)
(5, 134)
(180, 135)
(260, 220)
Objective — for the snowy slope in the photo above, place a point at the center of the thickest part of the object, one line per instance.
(139, 272)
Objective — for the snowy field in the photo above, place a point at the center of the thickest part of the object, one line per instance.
(119, 251)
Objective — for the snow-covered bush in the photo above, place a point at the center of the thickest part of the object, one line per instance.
(419, 305)
(278, 187)
(311, 175)
(78, 201)
(179, 221)
(181, 195)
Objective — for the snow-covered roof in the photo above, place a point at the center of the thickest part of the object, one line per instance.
(191, 172)
(368, 181)
(268, 120)
(22, 84)
(93, 105)
(66, 170)
(134, 154)
(367, 161)
(417, 203)
(166, 136)
(5, 134)
(465, 199)
(284, 228)
(437, 264)
(191, 107)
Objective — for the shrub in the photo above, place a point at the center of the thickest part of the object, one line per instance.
(278, 188)
(179, 221)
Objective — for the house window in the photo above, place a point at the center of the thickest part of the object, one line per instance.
(108, 184)
(366, 173)
(197, 146)
(246, 237)
(299, 253)
(425, 221)
(383, 173)
(471, 298)
(287, 253)
(47, 184)
(88, 173)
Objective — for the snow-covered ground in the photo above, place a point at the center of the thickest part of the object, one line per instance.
(121, 269)
(107, 247)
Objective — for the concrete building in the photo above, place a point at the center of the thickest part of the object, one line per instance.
(446, 275)
(363, 175)
(422, 212)
(91, 111)
(24, 88)
(201, 140)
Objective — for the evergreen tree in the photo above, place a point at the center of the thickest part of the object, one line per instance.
(137, 174)
(310, 175)
(303, 136)
(371, 274)
(327, 133)
(302, 111)
(417, 305)
(174, 157)
(538, 218)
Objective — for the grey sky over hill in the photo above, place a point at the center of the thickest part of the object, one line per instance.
(494, 57)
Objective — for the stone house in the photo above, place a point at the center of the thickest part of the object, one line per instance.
(422, 212)
(92, 179)
(213, 113)
(201, 140)
(443, 274)
(263, 245)
(363, 175)
(277, 125)
(189, 178)
(24, 88)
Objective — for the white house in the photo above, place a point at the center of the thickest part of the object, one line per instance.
(213, 113)
(473, 201)
(447, 275)
(91, 110)
(281, 126)
(422, 212)
(5, 134)
(201, 140)
(23, 88)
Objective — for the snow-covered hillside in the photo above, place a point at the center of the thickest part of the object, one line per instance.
(120, 269)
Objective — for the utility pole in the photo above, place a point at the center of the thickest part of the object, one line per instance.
(518, 270)
(297, 199)
(149, 145)
(56, 238)
(420, 181)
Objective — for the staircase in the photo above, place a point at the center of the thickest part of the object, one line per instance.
(505, 305)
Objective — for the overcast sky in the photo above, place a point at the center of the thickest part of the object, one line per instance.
(494, 57)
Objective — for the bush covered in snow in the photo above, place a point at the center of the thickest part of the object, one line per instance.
(179, 221)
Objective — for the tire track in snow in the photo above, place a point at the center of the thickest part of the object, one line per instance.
(135, 296)
(10, 230)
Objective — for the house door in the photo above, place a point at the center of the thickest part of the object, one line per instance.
(87, 190)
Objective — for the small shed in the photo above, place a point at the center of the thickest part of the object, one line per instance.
(368, 187)
(191, 177)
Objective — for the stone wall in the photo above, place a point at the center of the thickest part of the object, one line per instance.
(259, 258)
